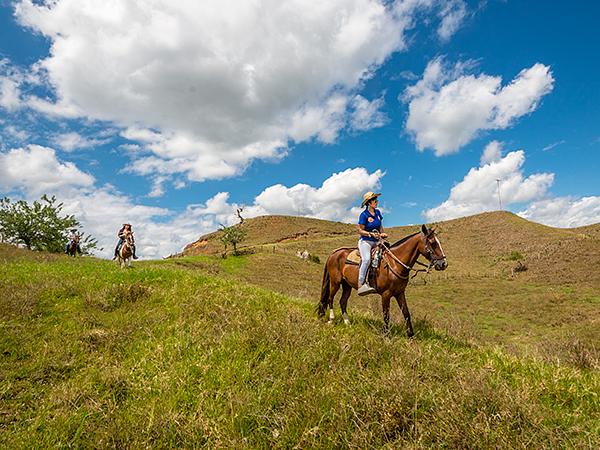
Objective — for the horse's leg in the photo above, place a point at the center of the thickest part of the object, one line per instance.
(401, 299)
(385, 306)
(346, 291)
(334, 286)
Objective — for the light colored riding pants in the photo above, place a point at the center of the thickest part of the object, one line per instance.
(364, 247)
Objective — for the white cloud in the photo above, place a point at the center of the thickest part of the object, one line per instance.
(565, 212)
(37, 170)
(10, 94)
(221, 83)
(554, 144)
(491, 153)
(452, 15)
(447, 108)
(478, 191)
(366, 114)
(74, 141)
(333, 200)
(10, 80)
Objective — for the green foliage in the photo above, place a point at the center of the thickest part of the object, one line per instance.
(314, 258)
(515, 256)
(39, 226)
(232, 235)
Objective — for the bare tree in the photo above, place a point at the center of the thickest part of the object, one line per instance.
(239, 214)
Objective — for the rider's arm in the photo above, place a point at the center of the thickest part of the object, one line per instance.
(363, 232)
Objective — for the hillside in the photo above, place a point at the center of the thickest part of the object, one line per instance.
(488, 244)
(551, 310)
(182, 353)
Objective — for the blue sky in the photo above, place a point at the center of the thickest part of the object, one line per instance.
(170, 116)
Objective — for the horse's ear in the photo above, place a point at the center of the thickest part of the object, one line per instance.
(424, 229)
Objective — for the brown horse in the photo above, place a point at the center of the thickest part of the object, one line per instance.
(397, 262)
(126, 251)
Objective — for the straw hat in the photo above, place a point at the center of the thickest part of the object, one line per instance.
(369, 196)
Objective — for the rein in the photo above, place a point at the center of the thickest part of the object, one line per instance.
(406, 266)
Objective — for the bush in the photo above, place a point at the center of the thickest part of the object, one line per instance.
(515, 256)
(314, 258)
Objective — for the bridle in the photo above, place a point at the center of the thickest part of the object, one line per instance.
(429, 254)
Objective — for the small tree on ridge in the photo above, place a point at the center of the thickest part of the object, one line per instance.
(39, 226)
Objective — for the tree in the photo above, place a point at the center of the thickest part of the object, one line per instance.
(232, 235)
(39, 226)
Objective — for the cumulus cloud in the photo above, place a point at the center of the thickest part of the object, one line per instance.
(221, 84)
(75, 141)
(491, 153)
(37, 170)
(564, 212)
(10, 80)
(478, 191)
(452, 14)
(337, 199)
(366, 114)
(447, 108)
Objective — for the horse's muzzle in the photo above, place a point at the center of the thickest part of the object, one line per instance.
(441, 264)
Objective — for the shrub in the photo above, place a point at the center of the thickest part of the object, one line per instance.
(314, 258)
(515, 256)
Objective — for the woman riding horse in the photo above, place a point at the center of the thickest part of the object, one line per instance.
(391, 278)
(72, 247)
(122, 234)
(370, 228)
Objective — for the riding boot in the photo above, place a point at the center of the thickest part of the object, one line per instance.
(365, 289)
(133, 251)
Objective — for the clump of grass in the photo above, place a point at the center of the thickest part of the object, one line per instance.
(118, 295)
(515, 256)
(314, 258)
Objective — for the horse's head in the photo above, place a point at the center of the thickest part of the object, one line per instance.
(432, 249)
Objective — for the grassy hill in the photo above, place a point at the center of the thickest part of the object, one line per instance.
(200, 351)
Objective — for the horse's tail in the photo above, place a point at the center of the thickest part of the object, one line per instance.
(324, 293)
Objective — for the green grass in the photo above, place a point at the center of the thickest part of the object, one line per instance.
(181, 353)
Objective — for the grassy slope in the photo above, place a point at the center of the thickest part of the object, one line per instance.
(180, 353)
(551, 311)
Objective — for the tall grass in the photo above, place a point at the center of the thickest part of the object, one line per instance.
(181, 355)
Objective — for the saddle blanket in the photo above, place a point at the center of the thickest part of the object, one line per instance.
(353, 257)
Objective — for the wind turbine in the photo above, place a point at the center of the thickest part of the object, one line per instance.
(499, 198)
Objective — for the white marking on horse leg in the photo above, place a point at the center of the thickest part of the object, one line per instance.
(331, 315)
(346, 319)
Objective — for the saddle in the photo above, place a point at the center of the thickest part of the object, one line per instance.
(354, 258)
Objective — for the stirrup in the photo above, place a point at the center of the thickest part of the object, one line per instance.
(365, 289)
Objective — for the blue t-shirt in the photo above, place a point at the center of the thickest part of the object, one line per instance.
(371, 223)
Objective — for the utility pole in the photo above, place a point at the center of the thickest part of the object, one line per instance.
(499, 198)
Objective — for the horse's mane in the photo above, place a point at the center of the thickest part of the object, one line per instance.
(404, 239)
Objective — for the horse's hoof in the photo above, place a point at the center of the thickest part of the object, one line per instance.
(346, 322)
(410, 334)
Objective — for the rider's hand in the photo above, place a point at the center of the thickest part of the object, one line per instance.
(383, 235)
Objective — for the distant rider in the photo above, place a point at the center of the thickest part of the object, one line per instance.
(73, 236)
(122, 234)
(370, 228)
